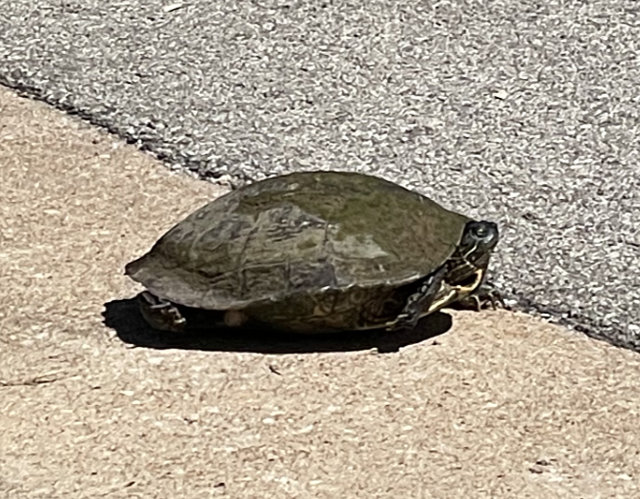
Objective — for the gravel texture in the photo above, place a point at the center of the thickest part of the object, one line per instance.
(523, 112)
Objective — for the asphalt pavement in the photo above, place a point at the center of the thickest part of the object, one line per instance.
(522, 112)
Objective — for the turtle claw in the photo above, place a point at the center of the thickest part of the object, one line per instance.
(482, 299)
(403, 322)
(161, 314)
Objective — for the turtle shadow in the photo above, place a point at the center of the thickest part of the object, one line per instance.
(124, 317)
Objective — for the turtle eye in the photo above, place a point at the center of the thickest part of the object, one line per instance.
(481, 231)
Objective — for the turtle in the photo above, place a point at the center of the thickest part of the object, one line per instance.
(314, 252)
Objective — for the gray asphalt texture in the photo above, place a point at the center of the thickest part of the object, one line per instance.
(523, 112)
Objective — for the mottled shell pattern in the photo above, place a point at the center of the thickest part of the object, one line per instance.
(298, 236)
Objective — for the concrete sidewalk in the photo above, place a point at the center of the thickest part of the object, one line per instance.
(498, 405)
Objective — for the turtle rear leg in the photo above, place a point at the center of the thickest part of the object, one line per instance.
(161, 314)
(164, 315)
(418, 302)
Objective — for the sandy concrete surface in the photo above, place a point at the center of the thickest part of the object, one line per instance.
(93, 405)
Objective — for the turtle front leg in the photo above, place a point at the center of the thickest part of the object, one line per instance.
(484, 297)
(161, 314)
(418, 302)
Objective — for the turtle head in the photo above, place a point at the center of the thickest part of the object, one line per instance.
(478, 239)
(471, 257)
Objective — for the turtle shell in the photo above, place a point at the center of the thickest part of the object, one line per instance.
(298, 235)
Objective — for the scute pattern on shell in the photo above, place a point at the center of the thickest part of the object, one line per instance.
(299, 234)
